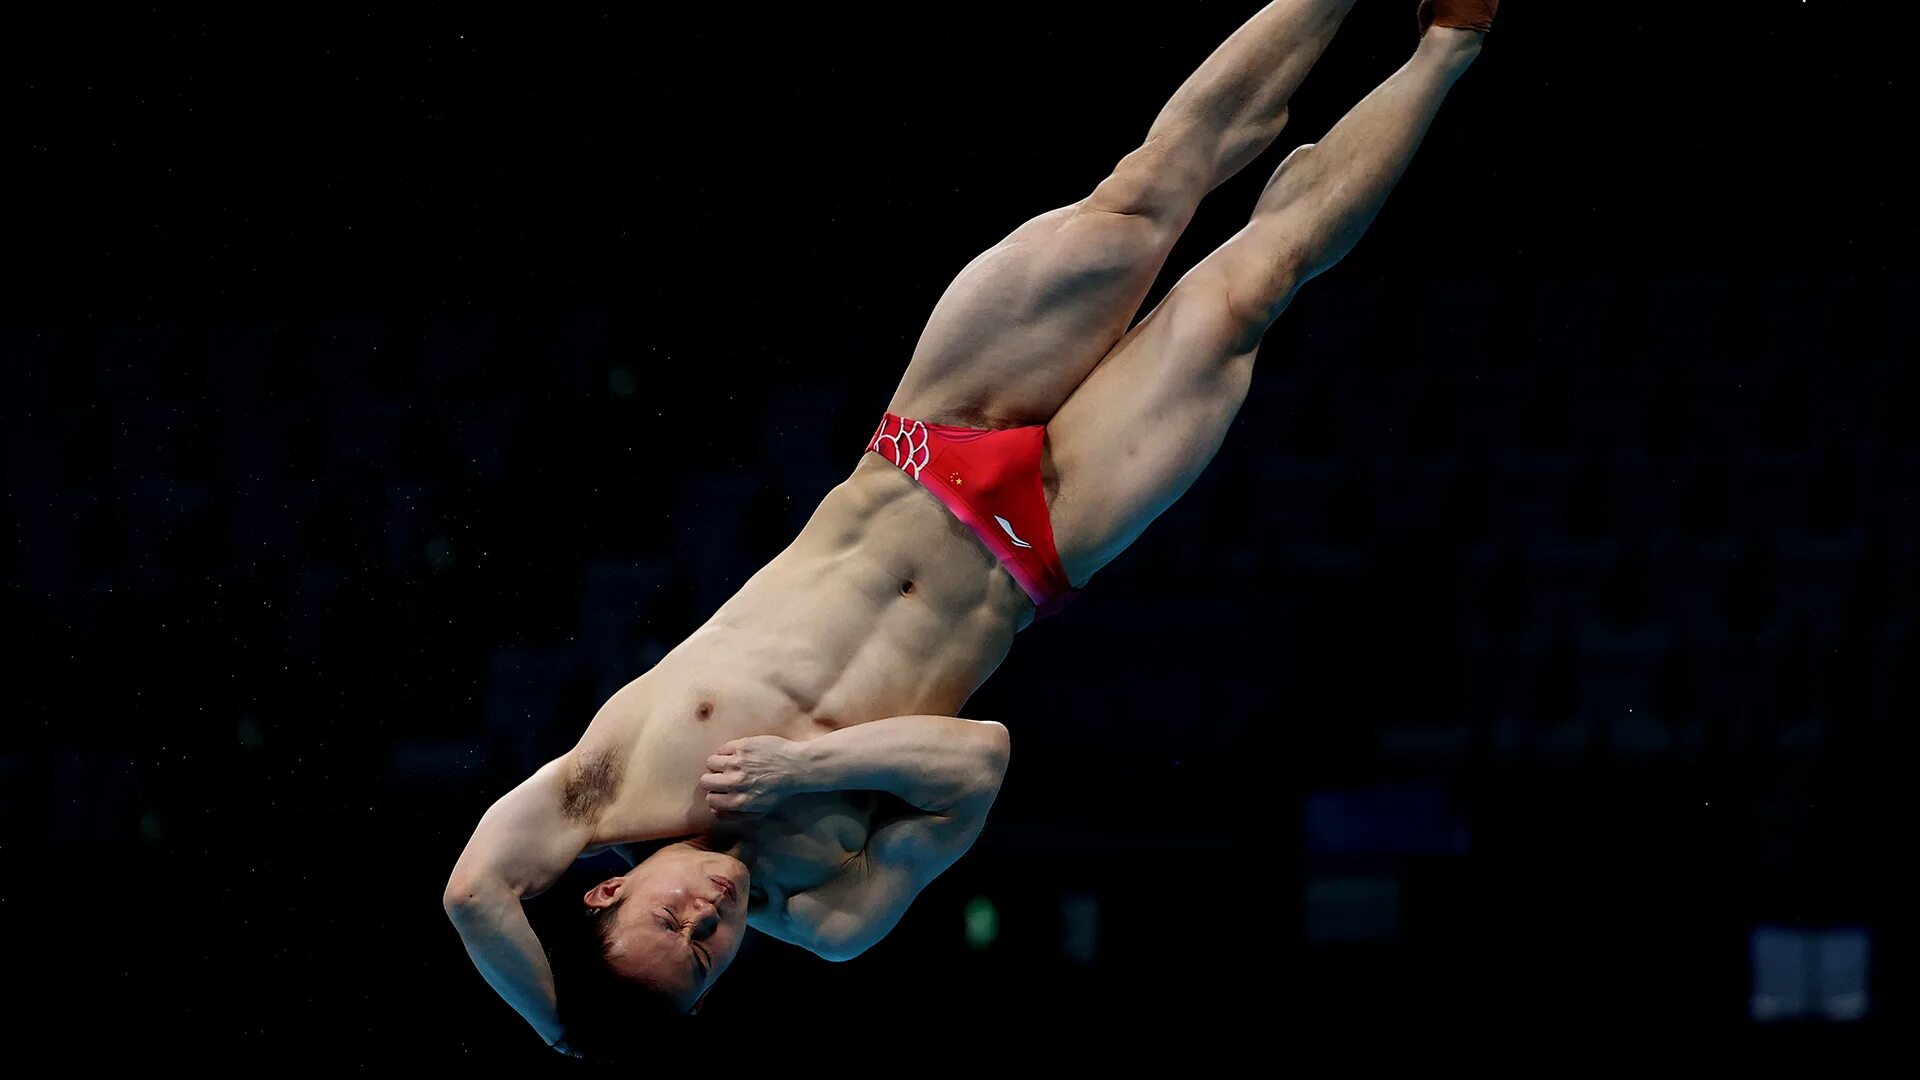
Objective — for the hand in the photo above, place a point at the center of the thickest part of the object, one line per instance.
(748, 777)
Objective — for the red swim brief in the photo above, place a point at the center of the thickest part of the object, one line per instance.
(990, 480)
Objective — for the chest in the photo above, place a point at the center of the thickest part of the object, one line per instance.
(658, 763)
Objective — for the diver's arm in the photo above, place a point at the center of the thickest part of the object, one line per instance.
(524, 842)
(933, 763)
(502, 945)
(844, 917)
(950, 770)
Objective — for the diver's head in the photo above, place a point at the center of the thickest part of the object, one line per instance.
(648, 945)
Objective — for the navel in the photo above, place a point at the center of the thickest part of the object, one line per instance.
(704, 710)
(906, 587)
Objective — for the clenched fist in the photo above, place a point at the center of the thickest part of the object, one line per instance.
(749, 777)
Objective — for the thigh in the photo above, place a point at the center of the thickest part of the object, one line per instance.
(1134, 437)
(1023, 323)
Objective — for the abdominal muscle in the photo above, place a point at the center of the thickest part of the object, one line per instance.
(884, 605)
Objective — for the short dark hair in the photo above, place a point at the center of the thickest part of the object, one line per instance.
(604, 1016)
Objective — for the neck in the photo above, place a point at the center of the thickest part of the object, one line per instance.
(726, 843)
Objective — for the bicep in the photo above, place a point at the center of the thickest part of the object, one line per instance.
(525, 840)
(847, 915)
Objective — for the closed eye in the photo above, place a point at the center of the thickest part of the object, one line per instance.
(703, 959)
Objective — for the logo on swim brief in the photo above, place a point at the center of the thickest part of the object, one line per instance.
(1008, 527)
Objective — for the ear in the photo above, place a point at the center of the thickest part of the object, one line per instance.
(604, 894)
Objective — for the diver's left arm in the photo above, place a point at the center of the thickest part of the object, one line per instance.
(933, 763)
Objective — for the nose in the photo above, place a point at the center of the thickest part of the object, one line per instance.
(708, 919)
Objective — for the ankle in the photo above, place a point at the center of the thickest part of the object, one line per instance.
(1452, 44)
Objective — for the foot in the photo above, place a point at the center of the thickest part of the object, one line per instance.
(1474, 15)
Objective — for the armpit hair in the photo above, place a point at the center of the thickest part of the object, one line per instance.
(591, 785)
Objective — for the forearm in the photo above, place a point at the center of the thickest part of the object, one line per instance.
(1234, 105)
(502, 945)
(931, 762)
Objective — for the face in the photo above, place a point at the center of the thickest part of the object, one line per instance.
(682, 919)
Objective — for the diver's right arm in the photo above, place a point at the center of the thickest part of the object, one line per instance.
(524, 842)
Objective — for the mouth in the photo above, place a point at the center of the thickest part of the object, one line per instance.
(728, 888)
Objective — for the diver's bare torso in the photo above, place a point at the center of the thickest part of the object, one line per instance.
(884, 605)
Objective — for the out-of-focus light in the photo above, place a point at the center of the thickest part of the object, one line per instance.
(1402, 819)
(1352, 908)
(983, 922)
(1779, 974)
(1840, 974)
(621, 381)
(1807, 974)
(1080, 923)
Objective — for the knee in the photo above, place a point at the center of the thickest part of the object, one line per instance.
(1153, 182)
(1262, 282)
(1242, 144)
(1290, 170)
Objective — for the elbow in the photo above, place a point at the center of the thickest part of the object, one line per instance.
(461, 896)
(995, 748)
(836, 951)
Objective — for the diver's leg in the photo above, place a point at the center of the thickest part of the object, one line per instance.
(1134, 436)
(1025, 321)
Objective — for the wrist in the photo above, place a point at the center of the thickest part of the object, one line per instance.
(813, 767)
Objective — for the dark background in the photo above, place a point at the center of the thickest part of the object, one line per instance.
(384, 390)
